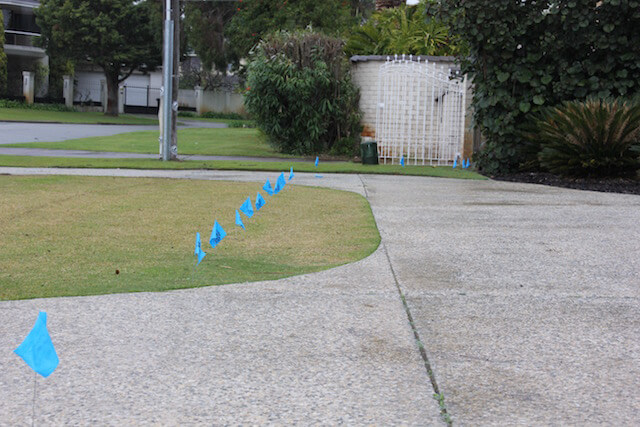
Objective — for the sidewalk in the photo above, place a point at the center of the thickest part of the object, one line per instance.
(524, 297)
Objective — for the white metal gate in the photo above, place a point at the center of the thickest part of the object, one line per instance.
(420, 114)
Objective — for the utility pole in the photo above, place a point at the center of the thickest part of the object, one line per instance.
(167, 82)
(173, 144)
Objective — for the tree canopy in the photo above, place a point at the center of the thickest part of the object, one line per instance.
(115, 35)
(254, 19)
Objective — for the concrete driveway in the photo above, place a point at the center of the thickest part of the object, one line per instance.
(525, 299)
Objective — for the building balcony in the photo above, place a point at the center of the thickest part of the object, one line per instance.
(21, 43)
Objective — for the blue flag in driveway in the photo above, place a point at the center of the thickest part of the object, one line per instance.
(402, 161)
(247, 208)
(267, 187)
(198, 251)
(239, 220)
(317, 161)
(280, 183)
(291, 173)
(260, 202)
(37, 349)
(217, 234)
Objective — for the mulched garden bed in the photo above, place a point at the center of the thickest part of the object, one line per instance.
(606, 185)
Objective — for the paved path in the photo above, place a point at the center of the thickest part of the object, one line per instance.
(14, 132)
(525, 298)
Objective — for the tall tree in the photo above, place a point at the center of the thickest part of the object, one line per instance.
(205, 29)
(3, 58)
(255, 19)
(115, 35)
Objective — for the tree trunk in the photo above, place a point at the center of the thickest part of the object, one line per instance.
(112, 91)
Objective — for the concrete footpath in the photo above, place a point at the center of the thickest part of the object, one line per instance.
(525, 298)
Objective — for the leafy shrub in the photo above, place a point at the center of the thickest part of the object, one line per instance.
(525, 56)
(213, 115)
(592, 138)
(404, 29)
(7, 103)
(300, 93)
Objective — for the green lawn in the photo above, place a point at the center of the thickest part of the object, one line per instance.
(206, 141)
(29, 115)
(65, 235)
(323, 167)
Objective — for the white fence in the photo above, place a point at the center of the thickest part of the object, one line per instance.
(421, 112)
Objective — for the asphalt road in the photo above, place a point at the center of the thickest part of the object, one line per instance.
(12, 132)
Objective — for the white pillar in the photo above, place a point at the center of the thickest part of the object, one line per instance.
(67, 90)
(199, 99)
(121, 100)
(28, 86)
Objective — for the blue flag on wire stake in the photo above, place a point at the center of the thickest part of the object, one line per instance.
(217, 234)
(455, 162)
(239, 220)
(402, 161)
(247, 208)
(291, 173)
(267, 188)
(280, 183)
(260, 202)
(198, 252)
(37, 349)
(317, 161)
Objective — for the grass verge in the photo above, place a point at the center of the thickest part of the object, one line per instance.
(204, 141)
(66, 236)
(324, 167)
(34, 115)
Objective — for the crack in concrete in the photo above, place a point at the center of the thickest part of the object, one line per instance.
(421, 349)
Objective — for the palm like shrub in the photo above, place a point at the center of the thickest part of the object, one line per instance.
(404, 29)
(591, 138)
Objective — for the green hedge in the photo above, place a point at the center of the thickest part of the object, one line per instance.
(525, 56)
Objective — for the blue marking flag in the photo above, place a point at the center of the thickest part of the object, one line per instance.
(280, 183)
(267, 187)
(260, 202)
(468, 163)
(317, 161)
(402, 161)
(455, 162)
(247, 208)
(217, 234)
(291, 173)
(198, 251)
(239, 220)
(37, 349)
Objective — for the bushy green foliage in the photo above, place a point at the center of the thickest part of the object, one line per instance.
(412, 30)
(592, 138)
(116, 35)
(3, 59)
(255, 19)
(6, 103)
(300, 94)
(528, 55)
